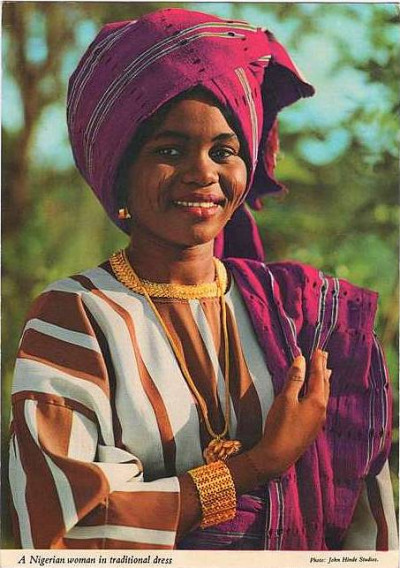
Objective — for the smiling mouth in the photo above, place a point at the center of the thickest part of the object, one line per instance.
(200, 201)
(201, 204)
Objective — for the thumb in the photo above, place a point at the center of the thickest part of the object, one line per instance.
(296, 376)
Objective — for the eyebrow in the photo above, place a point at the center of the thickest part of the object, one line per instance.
(224, 136)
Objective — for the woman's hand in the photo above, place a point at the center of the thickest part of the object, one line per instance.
(293, 423)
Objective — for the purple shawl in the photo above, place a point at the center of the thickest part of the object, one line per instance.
(296, 308)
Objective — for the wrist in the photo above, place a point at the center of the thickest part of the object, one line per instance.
(262, 464)
(246, 472)
(253, 468)
(268, 464)
(190, 510)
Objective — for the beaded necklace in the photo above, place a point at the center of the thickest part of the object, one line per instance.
(219, 448)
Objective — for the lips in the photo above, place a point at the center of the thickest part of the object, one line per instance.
(200, 206)
(200, 201)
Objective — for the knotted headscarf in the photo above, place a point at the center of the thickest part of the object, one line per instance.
(133, 68)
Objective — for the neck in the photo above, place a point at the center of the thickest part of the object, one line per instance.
(163, 262)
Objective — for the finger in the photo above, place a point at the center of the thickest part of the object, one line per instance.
(327, 375)
(316, 380)
(296, 376)
(327, 384)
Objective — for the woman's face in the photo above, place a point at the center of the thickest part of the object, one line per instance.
(188, 177)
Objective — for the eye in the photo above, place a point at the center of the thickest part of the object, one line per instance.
(168, 152)
(222, 153)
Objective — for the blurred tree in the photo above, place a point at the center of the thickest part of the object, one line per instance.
(50, 230)
(339, 154)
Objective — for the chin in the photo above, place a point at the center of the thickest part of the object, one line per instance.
(194, 242)
(201, 237)
(184, 237)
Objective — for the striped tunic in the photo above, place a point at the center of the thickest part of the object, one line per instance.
(104, 422)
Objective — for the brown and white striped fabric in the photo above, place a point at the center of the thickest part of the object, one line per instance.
(103, 420)
(98, 395)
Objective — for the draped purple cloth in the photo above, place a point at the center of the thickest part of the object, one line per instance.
(244, 532)
(296, 308)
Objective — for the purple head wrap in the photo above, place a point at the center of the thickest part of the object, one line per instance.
(132, 68)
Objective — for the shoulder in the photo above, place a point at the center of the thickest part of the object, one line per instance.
(289, 272)
(65, 296)
(82, 281)
(301, 287)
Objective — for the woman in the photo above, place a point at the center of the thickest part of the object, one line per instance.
(166, 399)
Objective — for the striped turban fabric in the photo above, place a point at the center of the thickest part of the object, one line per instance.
(133, 68)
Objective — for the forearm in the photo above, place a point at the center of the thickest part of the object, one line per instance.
(190, 511)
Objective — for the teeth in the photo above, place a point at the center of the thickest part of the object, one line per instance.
(203, 204)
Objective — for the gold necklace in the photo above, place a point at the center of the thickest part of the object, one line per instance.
(219, 448)
(127, 276)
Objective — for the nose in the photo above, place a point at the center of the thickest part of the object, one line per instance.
(200, 170)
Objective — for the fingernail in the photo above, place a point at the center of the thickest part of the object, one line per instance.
(299, 361)
(325, 354)
(298, 358)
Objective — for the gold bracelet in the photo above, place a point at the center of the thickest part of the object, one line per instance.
(216, 491)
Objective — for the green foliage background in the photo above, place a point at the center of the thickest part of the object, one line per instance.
(338, 157)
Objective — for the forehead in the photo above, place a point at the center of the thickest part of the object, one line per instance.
(193, 116)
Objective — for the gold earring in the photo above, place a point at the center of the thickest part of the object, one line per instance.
(123, 214)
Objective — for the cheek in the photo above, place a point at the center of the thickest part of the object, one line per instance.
(236, 183)
(147, 187)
